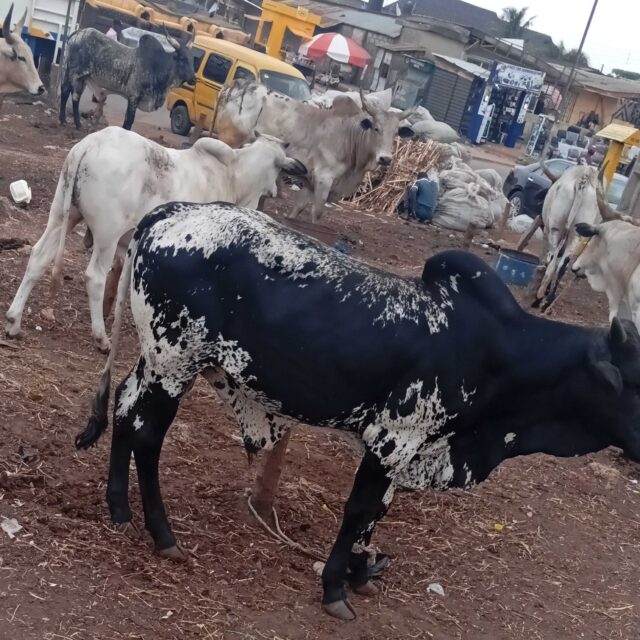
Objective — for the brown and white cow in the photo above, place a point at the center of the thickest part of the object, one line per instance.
(337, 145)
(17, 70)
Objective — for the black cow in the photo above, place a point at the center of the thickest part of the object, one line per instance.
(142, 75)
(442, 377)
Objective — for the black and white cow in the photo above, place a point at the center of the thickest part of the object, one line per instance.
(142, 75)
(441, 377)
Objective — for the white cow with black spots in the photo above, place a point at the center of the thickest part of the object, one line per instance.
(111, 178)
(427, 372)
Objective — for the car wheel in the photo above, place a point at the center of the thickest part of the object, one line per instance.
(516, 204)
(180, 123)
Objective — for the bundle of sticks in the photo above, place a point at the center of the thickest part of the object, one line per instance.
(383, 189)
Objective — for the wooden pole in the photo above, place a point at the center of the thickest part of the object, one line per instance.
(267, 479)
(524, 241)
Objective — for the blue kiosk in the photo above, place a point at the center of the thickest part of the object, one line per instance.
(498, 112)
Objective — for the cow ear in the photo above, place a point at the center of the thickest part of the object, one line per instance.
(294, 167)
(610, 375)
(617, 333)
(366, 123)
(586, 230)
(405, 132)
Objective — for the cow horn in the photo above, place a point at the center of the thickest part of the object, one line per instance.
(546, 171)
(170, 39)
(6, 27)
(607, 212)
(406, 113)
(364, 103)
(17, 30)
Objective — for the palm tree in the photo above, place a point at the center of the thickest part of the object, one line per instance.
(515, 21)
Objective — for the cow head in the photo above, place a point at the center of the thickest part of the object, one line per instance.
(615, 369)
(182, 60)
(17, 70)
(591, 252)
(260, 165)
(382, 126)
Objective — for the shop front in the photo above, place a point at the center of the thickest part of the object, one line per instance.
(498, 114)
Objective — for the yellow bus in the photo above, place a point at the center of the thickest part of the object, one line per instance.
(217, 62)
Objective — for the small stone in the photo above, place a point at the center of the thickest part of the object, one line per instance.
(436, 587)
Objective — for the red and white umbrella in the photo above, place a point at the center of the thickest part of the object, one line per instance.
(337, 47)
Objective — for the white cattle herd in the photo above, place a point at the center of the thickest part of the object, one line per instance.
(285, 328)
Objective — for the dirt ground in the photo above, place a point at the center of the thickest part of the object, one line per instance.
(545, 548)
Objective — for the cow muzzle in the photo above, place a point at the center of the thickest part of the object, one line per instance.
(384, 161)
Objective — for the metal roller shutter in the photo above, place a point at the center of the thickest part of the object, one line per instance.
(447, 97)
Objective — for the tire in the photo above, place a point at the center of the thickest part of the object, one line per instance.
(515, 198)
(180, 123)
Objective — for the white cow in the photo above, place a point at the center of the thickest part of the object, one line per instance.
(113, 177)
(337, 145)
(572, 199)
(610, 261)
(17, 70)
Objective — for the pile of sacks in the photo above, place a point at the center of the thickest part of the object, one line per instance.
(467, 196)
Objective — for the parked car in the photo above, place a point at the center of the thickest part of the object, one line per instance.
(531, 174)
(527, 186)
(218, 62)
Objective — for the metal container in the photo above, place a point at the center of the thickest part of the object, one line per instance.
(516, 267)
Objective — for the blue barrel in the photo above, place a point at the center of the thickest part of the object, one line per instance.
(515, 267)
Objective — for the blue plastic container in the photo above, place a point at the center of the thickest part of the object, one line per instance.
(515, 267)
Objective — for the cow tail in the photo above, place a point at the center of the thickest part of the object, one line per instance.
(99, 420)
(68, 184)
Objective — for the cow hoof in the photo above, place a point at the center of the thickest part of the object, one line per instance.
(129, 529)
(175, 553)
(12, 329)
(340, 609)
(366, 589)
(104, 345)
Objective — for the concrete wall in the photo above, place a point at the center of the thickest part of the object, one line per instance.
(604, 106)
(431, 42)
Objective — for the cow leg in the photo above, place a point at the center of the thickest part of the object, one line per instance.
(42, 255)
(113, 277)
(321, 191)
(132, 105)
(65, 92)
(142, 416)
(78, 88)
(368, 502)
(96, 277)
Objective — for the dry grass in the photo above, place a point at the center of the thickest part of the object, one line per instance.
(383, 190)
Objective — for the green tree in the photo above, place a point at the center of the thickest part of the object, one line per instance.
(562, 54)
(623, 73)
(516, 21)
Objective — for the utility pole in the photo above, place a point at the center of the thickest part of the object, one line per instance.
(572, 73)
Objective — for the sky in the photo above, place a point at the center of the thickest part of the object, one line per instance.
(613, 39)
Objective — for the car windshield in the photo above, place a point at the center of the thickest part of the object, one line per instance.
(291, 86)
(614, 192)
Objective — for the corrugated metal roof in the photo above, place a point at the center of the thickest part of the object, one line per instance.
(333, 15)
(465, 65)
(605, 85)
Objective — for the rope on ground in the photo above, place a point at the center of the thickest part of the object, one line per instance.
(279, 535)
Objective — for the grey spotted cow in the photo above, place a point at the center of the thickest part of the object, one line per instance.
(441, 377)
